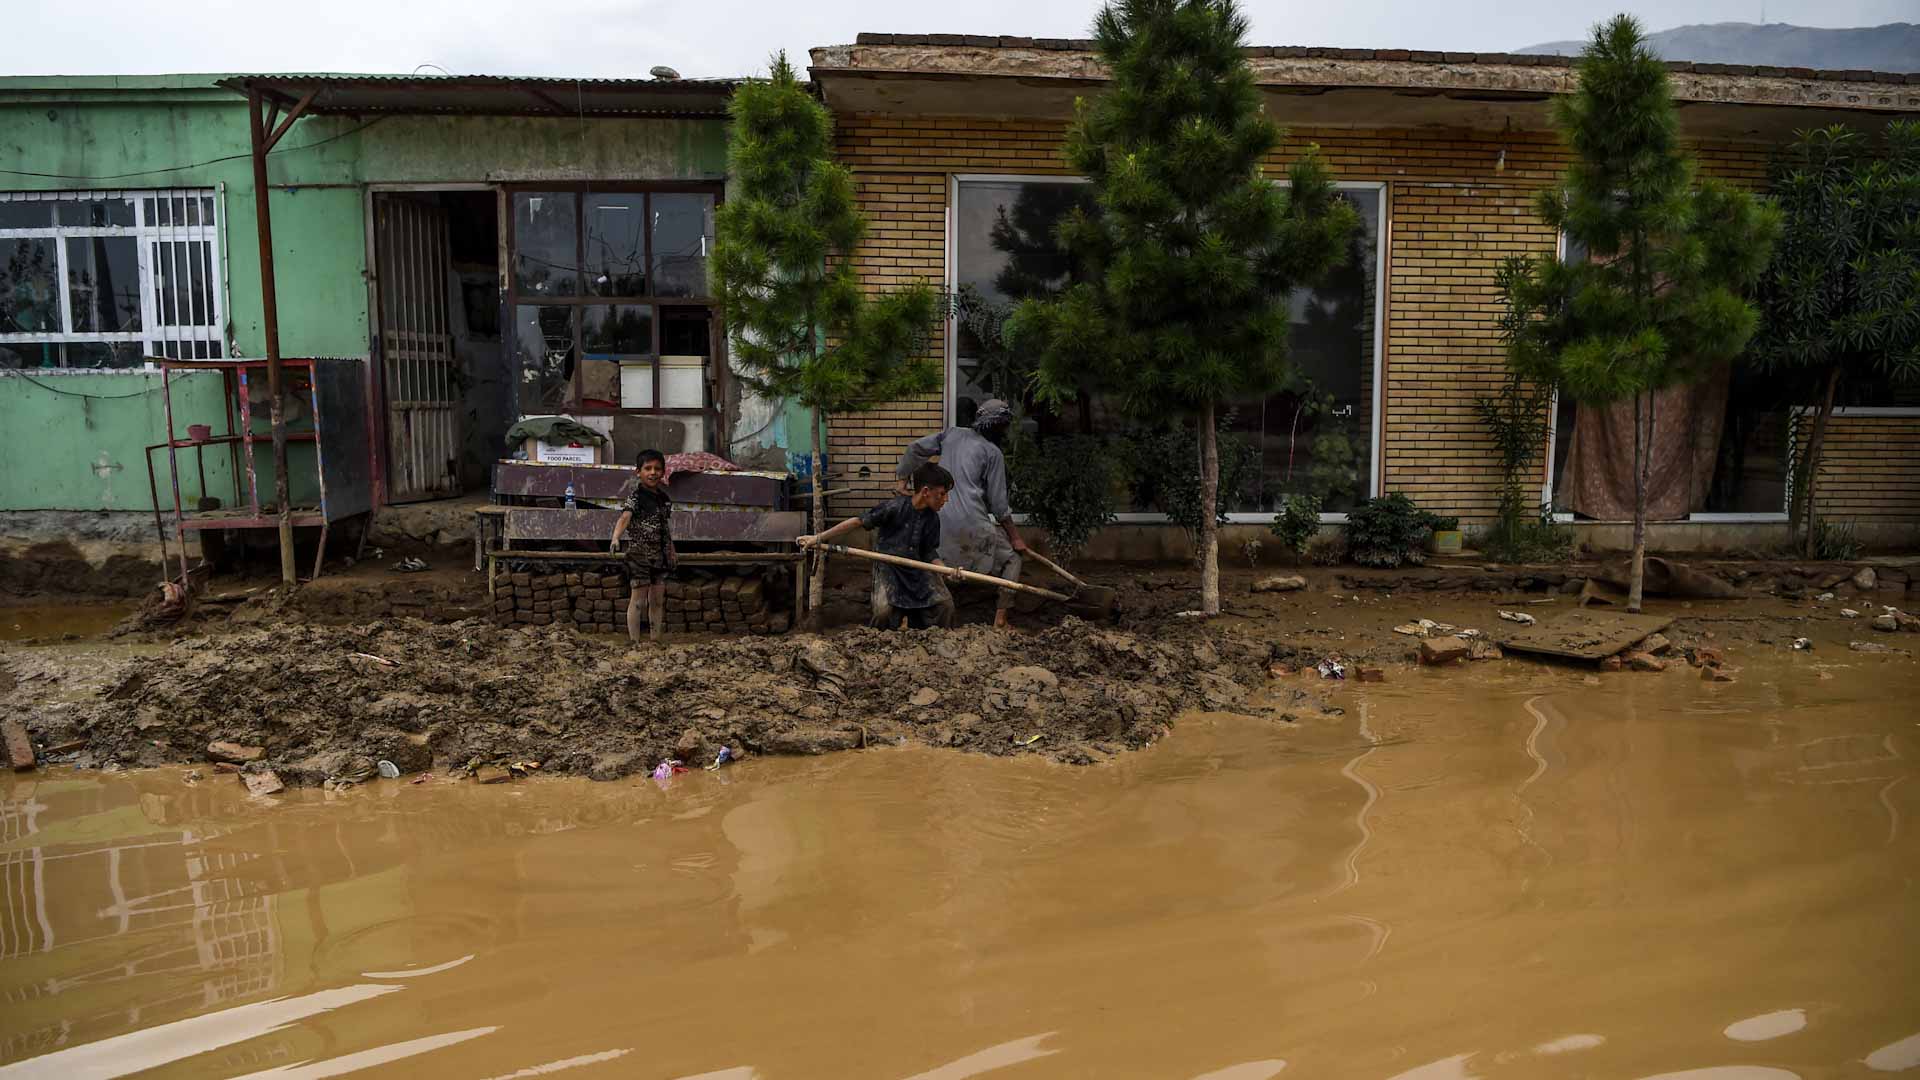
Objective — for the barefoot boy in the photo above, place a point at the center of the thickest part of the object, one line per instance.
(645, 531)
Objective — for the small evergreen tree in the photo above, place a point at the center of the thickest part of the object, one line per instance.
(1181, 298)
(1658, 299)
(1842, 298)
(799, 324)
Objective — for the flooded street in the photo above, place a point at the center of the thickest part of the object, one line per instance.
(1502, 872)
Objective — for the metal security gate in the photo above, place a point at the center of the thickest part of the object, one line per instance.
(420, 377)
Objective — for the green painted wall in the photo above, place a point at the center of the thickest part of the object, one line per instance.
(68, 133)
(77, 442)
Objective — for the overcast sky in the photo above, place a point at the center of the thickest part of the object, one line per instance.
(613, 38)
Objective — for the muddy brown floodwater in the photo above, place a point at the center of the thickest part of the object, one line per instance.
(1500, 872)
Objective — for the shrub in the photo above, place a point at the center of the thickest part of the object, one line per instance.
(1327, 550)
(1297, 523)
(1066, 486)
(1388, 531)
(1165, 467)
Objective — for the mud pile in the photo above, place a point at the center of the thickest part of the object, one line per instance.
(325, 702)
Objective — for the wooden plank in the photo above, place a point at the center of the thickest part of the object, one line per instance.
(1584, 635)
(19, 747)
(744, 526)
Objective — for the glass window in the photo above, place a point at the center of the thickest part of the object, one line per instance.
(29, 296)
(682, 237)
(544, 341)
(1315, 436)
(25, 214)
(96, 213)
(616, 331)
(103, 284)
(546, 244)
(616, 261)
(91, 280)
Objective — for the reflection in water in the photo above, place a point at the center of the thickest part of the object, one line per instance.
(1567, 1044)
(993, 1057)
(1250, 1070)
(367, 1059)
(1729, 1072)
(156, 1046)
(564, 1064)
(1453, 1068)
(1766, 1026)
(1896, 1057)
(877, 914)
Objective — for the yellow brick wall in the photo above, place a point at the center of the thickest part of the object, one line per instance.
(1870, 469)
(1454, 211)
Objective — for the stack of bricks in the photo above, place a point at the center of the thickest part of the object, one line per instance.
(727, 605)
(587, 601)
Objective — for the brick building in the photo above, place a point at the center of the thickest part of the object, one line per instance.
(955, 144)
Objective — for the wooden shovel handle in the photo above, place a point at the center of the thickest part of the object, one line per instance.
(1054, 566)
(943, 571)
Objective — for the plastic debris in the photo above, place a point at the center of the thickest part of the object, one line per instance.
(388, 769)
(1027, 741)
(1332, 668)
(1411, 630)
(1803, 644)
(668, 768)
(1823, 597)
(725, 755)
(1520, 617)
(1849, 613)
(409, 565)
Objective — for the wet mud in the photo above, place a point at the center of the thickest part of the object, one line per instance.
(325, 703)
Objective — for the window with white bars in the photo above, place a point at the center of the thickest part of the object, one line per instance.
(110, 279)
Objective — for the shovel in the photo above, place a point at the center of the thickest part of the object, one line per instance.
(966, 575)
(1098, 596)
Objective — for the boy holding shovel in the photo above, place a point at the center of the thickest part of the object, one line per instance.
(908, 526)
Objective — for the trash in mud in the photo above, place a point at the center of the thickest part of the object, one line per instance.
(1849, 613)
(409, 565)
(1826, 596)
(1804, 644)
(388, 769)
(1027, 740)
(1520, 617)
(669, 768)
(725, 755)
(1331, 668)
(1411, 630)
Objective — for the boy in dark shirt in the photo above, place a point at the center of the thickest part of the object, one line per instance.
(645, 531)
(908, 526)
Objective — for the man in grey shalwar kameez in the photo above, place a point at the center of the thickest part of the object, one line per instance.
(976, 526)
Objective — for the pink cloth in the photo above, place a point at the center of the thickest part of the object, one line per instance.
(698, 461)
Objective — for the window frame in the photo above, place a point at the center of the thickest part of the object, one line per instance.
(713, 377)
(1377, 428)
(155, 334)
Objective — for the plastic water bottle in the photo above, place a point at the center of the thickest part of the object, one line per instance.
(570, 504)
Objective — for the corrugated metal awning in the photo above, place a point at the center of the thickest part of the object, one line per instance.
(491, 95)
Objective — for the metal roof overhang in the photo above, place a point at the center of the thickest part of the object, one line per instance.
(490, 95)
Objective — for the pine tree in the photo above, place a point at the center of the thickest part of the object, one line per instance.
(1842, 298)
(1658, 298)
(799, 324)
(1185, 267)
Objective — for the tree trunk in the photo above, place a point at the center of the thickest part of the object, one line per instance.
(1814, 445)
(818, 591)
(1209, 520)
(1642, 445)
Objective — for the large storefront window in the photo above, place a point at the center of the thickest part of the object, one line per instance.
(1317, 435)
(93, 279)
(612, 306)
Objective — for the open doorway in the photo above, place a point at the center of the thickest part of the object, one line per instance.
(448, 400)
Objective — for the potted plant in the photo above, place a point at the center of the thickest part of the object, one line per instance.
(1445, 539)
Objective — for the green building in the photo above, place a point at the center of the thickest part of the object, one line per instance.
(488, 248)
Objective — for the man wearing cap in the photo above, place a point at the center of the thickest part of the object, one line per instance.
(976, 526)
